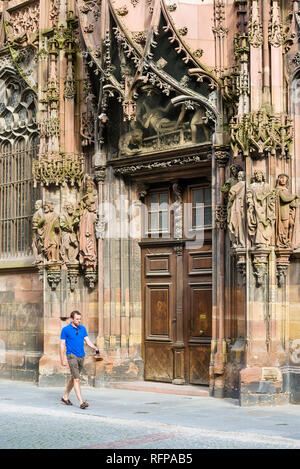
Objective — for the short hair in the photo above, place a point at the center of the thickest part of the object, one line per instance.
(73, 314)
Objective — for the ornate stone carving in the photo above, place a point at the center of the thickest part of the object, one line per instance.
(279, 32)
(49, 127)
(282, 264)
(87, 235)
(260, 263)
(54, 276)
(219, 19)
(133, 169)
(73, 274)
(233, 179)
(37, 232)
(177, 207)
(261, 134)
(255, 34)
(24, 22)
(236, 212)
(285, 213)
(221, 158)
(123, 11)
(261, 211)
(58, 169)
(49, 222)
(221, 217)
(69, 222)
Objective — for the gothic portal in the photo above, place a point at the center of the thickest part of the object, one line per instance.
(150, 178)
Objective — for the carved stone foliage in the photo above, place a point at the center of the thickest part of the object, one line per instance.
(280, 33)
(24, 22)
(260, 134)
(221, 217)
(68, 238)
(170, 163)
(58, 169)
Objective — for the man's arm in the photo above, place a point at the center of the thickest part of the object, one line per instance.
(62, 349)
(90, 344)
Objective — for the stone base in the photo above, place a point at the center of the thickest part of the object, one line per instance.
(52, 374)
(262, 386)
(248, 399)
(113, 369)
(292, 384)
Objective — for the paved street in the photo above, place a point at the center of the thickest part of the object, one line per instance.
(34, 418)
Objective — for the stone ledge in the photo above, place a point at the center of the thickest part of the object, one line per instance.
(165, 388)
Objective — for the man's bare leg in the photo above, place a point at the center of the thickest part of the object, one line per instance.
(78, 390)
(69, 388)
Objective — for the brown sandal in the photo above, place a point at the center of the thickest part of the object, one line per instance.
(66, 402)
(84, 405)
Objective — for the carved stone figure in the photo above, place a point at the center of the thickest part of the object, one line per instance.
(37, 232)
(233, 179)
(69, 227)
(130, 143)
(87, 234)
(236, 212)
(51, 235)
(261, 210)
(286, 212)
(155, 118)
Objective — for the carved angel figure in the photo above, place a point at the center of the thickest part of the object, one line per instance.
(260, 210)
(285, 212)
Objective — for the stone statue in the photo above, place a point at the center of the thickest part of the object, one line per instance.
(130, 143)
(236, 212)
(233, 179)
(69, 234)
(37, 232)
(261, 210)
(51, 235)
(155, 118)
(285, 213)
(87, 234)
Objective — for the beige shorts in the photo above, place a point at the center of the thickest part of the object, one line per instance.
(76, 365)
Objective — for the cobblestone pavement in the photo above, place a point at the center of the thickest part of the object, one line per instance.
(34, 418)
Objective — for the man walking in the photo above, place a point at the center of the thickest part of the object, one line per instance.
(72, 338)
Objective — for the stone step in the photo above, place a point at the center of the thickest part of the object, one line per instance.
(165, 388)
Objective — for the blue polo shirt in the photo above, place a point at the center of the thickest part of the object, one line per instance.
(74, 337)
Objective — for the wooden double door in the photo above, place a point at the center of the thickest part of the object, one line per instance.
(177, 304)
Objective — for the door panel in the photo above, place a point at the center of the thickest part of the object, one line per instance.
(199, 358)
(158, 308)
(200, 312)
(158, 362)
(159, 271)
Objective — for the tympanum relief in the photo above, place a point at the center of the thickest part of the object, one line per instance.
(160, 125)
